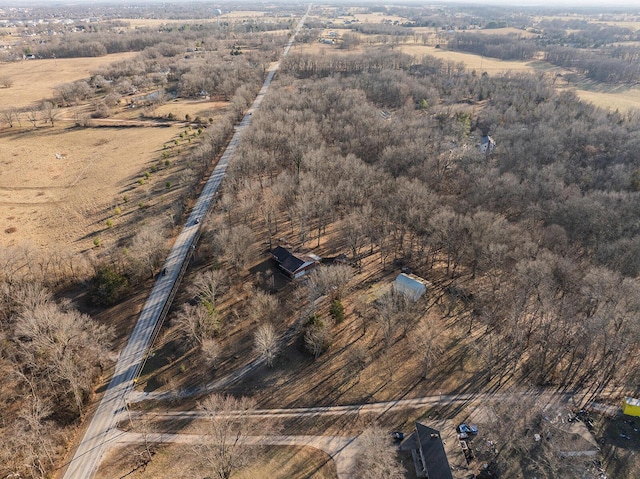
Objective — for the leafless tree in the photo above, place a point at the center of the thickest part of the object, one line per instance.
(61, 347)
(331, 281)
(263, 307)
(427, 341)
(10, 115)
(33, 116)
(197, 322)
(377, 457)
(207, 285)
(211, 351)
(317, 337)
(236, 242)
(49, 112)
(266, 343)
(226, 427)
(149, 246)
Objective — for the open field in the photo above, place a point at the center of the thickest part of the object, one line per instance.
(616, 100)
(231, 17)
(34, 80)
(474, 62)
(59, 185)
(53, 200)
(177, 460)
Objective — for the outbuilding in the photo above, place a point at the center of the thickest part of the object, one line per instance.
(410, 285)
(631, 406)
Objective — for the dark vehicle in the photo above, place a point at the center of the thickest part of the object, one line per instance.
(164, 271)
(197, 220)
(397, 436)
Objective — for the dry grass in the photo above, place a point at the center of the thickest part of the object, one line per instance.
(474, 62)
(59, 185)
(177, 461)
(626, 100)
(34, 80)
(62, 200)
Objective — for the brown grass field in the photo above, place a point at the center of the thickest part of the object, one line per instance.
(59, 185)
(34, 80)
(175, 461)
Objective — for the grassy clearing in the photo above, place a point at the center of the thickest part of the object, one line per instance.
(626, 100)
(34, 80)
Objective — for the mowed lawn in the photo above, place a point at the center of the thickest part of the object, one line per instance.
(35, 80)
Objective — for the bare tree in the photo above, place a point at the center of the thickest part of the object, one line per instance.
(226, 428)
(317, 337)
(61, 347)
(149, 246)
(211, 351)
(207, 285)
(10, 115)
(236, 243)
(197, 323)
(263, 306)
(49, 112)
(33, 116)
(266, 343)
(377, 457)
(331, 281)
(427, 341)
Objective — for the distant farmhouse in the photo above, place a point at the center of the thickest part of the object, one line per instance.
(410, 285)
(294, 266)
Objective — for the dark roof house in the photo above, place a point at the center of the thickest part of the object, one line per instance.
(294, 266)
(432, 461)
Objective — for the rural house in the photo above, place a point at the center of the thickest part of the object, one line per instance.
(292, 265)
(410, 285)
(487, 145)
(430, 457)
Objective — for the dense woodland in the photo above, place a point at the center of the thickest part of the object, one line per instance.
(542, 234)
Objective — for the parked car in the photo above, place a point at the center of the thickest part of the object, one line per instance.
(397, 436)
(467, 429)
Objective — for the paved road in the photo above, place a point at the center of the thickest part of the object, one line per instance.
(102, 429)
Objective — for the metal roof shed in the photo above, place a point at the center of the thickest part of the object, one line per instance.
(410, 285)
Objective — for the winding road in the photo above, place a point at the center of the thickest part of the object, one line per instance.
(102, 430)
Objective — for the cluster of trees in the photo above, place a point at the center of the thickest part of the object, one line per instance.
(524, 230)
(50, 357)
(583, 34)
(504, 47)
(609, 65)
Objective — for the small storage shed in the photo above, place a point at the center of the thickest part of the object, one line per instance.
(410, 285)
(631, 406)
